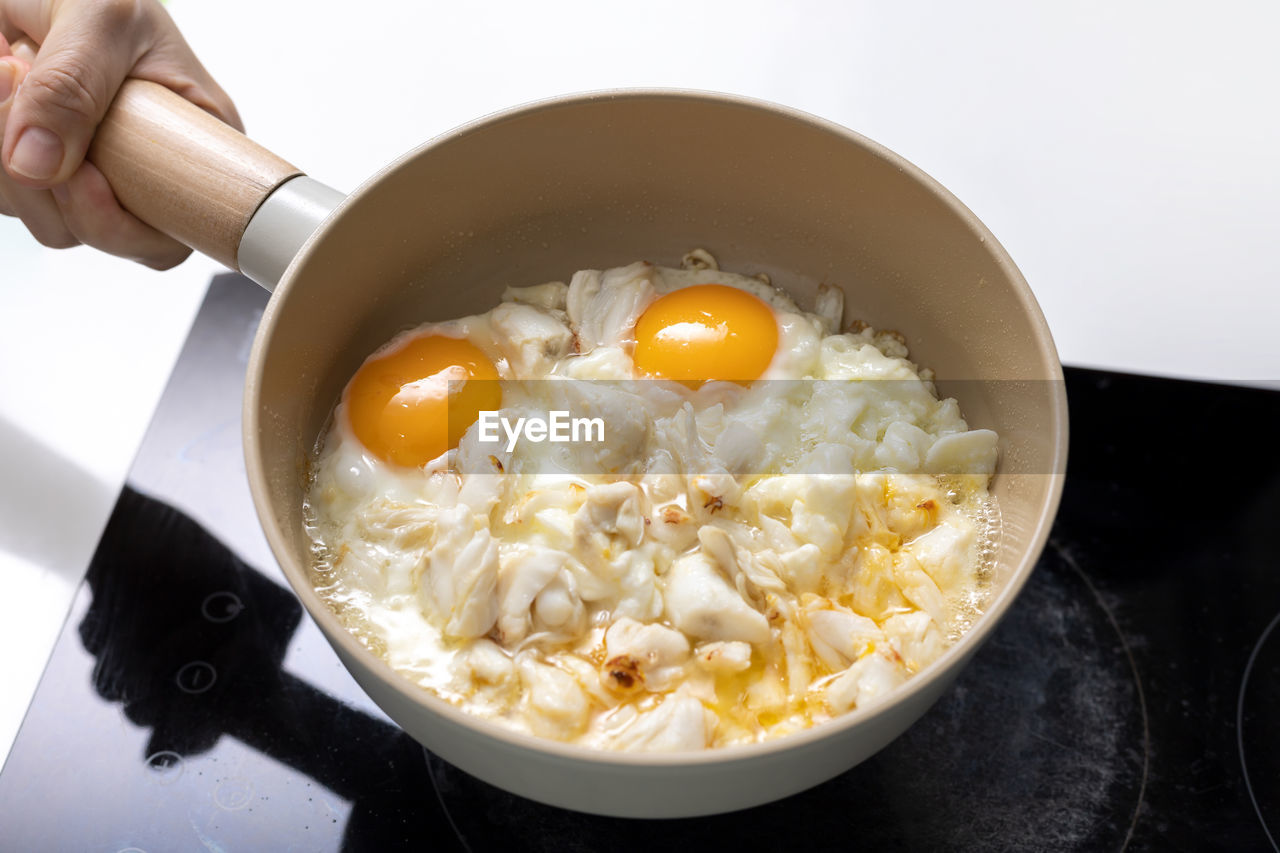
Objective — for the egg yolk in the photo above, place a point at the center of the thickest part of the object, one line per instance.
(707, 331)
(412, 403)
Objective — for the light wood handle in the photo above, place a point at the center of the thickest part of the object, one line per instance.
(182, 171)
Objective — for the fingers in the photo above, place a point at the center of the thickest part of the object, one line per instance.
(88, 51)
(9, 70)
(92, 215)
(36, 208)
(83, 209)
(24, 49)
(39, 212)
(68, 80)
(9, 78)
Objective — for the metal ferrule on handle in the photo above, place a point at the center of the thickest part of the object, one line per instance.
(187, 174)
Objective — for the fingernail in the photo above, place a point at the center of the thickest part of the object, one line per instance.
(7, 76)
(38, 154)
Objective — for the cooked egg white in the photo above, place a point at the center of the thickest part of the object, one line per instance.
(740, 558)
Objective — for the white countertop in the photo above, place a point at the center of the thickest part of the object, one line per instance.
(1124, 154)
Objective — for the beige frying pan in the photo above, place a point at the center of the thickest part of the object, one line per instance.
(595, 181)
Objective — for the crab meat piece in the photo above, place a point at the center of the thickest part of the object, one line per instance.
(702, 604)
(652, 655)
(864, 683)
(971, 452)
(557, 703)
(679, 723)
(916, 638)
(604, 307)
(839, 637)
(558, 606)
(941, 552)
(551, 295)
(460, 575)
(522, 577)
(724, 657)
(829, 306)
(532, 339)
(919, 588)
(739, 448)
(485, 662)
(751, 574)
(913, 504)
(613, 510)
(903, 447)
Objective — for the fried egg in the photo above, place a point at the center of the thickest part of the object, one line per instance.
(780, 522)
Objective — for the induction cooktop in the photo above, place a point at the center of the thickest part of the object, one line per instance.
(1126, 701)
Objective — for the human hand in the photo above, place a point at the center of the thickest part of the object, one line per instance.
(61, 63)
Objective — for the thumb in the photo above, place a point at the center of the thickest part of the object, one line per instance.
(77, 71)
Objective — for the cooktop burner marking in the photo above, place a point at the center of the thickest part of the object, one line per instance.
(1244, 766)
(233, 794)
(196, 677)
(426, 754)
(1137, 683)
(166, 766)
(221, 606)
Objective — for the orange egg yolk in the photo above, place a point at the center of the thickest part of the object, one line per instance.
(707, 331)
(412, 403)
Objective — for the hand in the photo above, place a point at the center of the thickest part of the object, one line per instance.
(61, 63)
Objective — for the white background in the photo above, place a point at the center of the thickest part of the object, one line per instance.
(1125, 154)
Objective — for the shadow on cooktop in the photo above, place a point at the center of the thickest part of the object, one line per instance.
(192, 680)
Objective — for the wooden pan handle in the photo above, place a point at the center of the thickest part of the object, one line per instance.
(182, 171)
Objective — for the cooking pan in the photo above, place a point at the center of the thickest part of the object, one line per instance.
(593, 181)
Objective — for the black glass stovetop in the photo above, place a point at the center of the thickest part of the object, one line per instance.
(1126, 702)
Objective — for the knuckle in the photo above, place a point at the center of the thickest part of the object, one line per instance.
(119, 11)
(115, 16)
(69, 85)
